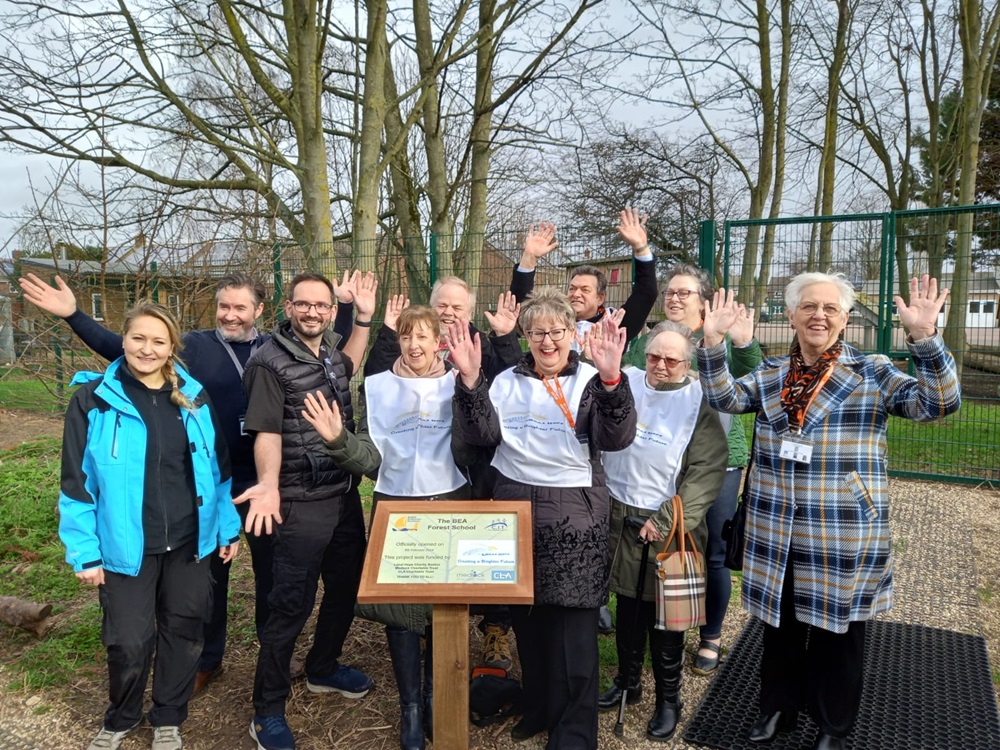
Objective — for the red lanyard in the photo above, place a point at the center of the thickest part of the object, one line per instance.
(560, 398)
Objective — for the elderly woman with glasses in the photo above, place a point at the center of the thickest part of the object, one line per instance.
(818, 558)
(676, 452)
(550, 418)
(688, 289)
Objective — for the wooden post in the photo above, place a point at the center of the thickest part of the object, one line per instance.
(451, 676)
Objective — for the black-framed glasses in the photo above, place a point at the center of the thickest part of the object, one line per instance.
(304, 307)
(681, 294)
(537, 337)
(670, 362)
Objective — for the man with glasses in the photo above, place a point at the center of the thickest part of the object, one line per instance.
(588, 284)
(310, 504)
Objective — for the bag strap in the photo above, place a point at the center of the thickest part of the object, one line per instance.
(750, 458)
(676, 526)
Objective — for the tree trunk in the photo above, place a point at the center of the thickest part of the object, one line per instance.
(25, 615)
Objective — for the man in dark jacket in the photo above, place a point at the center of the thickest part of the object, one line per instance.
(307, 501)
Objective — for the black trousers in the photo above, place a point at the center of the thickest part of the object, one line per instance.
(325, 538)
(262, 559)
(559, 672)
(808, 667)
(162, 609)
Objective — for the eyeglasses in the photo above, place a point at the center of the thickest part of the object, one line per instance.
(670, 362)
(810, 308)
(537, 337)
(303, 306)
(681, 294)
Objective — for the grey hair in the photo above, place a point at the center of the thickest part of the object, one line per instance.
(546, 302)
(669, 326)
(705, 287)
(793, 292)
(445, 280)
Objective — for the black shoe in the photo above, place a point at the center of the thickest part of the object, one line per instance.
(769, 726)
(611, 698)
(826, 742)
(706, 665)
(661, 727)
(605, 625)
(523, 731)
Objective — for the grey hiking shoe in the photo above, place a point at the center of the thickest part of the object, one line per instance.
(167, 738)
(108, 740)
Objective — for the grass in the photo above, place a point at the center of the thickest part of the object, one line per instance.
(23, 389)
(32, 567)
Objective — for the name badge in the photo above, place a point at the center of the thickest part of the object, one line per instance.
(796, 448)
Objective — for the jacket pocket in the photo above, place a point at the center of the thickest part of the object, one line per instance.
(864, 498)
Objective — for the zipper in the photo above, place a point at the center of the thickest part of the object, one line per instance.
(114, 436)
(158, 461)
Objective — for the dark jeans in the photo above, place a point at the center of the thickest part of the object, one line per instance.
(718, 581)
(824, 676)
(262, 559)
(162, 609)
(325, 538)
(559, 672)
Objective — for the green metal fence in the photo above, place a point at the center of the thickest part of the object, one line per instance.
(961, 448)
(868, 248)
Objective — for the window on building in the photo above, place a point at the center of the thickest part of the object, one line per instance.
(97, 306)
(989, 307)
(614, 275)
(974, 306)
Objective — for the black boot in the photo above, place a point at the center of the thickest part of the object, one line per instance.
(769, 726)
(404, 649)
(667, 650)
(629, 663)
(429, 687)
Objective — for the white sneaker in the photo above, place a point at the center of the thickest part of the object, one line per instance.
(167, 738)
(108, 740)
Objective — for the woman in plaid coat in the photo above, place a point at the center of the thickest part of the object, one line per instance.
(818, 560)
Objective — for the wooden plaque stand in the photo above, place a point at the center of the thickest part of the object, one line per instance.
(451, 599)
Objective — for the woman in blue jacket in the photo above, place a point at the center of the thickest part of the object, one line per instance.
(144, 502)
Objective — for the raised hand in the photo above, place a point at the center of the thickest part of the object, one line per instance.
(327, 421)
(466, 353)
(920, 316)
(539, 241)
(742, 329)
(632, 229)
(505, 319)
(393, 307)
(607, 342)
(344, 291)
(60, 301)
(720, 314)
(365, 287)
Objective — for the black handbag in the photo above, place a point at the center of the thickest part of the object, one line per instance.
(734, 531)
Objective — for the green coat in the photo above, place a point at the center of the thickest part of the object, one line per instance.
(741, 362)
(703, 468)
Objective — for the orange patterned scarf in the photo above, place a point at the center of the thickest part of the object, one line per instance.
(804, 381)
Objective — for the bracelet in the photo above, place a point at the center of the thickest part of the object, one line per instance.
(641, 248)
(616, 381)
(363, 323)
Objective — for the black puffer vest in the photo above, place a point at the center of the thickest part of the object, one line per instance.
(308, 472)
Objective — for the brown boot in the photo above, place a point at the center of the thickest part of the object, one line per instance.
(496, 648)
(202, 679)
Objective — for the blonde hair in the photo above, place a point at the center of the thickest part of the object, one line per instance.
(162, 314)
(546, 302)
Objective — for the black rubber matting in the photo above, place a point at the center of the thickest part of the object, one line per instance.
(925, 689)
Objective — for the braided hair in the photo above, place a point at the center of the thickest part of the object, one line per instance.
(158, 311)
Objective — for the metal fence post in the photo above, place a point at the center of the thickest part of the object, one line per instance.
(433, 265)
(884, 343)
(706, 246)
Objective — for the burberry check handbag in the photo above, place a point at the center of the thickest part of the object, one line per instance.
(680, 579)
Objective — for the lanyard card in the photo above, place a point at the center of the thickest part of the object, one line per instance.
(796, 447)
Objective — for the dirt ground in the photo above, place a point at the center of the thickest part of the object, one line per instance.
(67, 718)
